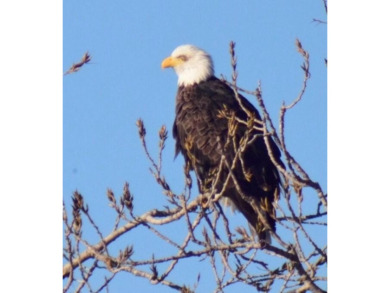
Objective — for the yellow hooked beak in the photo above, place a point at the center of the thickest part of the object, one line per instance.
(171, 62)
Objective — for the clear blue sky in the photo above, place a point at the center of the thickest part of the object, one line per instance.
(124, 81)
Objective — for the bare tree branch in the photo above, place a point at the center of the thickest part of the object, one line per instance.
(77, 66)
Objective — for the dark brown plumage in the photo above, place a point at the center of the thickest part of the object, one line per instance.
(207, 128)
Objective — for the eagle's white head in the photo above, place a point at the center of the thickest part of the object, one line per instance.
(191, 64)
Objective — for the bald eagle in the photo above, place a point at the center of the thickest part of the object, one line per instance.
(213, 131)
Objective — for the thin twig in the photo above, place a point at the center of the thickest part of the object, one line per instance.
(76, 66)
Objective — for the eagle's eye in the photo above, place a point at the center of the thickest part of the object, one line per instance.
(182, 57)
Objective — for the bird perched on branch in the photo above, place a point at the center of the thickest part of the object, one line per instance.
(220, 134)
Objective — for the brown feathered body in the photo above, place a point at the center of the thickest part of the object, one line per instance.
(211, 124)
